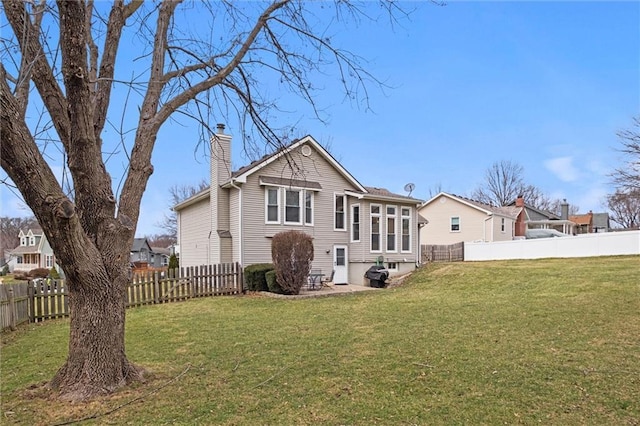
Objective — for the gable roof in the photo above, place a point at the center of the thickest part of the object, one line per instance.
(582, 219)
(544, 213)
(202, 195)
(383, 194)
(139, 244)
(240, 176)
(504, 211)
(242, 173)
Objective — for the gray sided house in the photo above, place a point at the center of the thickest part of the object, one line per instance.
(33, 252)
(142, 254)
(301, 187)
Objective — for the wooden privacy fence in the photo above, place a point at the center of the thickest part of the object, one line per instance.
(14, 305)
(36, 301)
(206, 280)
(443, 253)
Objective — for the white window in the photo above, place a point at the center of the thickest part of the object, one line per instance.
(339, 210)
(355, 223)
(292, 206)
(375, 227)
(406, 229)
(48, 261)
(392, 266)
(308, 208)
(32, 241)
(502, 224)
(391, 228)
(455, 224)
(272, 205)
(23, 241)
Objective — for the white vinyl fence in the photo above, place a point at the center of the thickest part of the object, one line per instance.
(585, 245)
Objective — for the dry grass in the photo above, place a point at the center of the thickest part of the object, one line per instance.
(520, 342)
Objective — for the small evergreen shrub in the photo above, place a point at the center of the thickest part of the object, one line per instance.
(292, 253)
(39, 273)
(173, 262)
(53, 274)
(254, 276)
(272, 282)
(5, 270)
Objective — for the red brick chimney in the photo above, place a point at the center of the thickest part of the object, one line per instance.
(520, 201)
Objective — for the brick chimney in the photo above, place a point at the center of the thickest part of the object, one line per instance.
(219, 197)
(520, 201)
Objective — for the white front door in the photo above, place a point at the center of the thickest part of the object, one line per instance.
(340, 265)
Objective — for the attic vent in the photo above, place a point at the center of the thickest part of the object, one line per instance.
(305, 150)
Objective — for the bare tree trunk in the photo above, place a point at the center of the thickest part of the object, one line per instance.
(96, 363)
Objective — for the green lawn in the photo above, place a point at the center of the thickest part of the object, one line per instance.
(519, 342)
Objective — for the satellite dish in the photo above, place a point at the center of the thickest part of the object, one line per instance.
(409, 188)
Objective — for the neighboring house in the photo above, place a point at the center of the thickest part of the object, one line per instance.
(33, 252)
(584, 223)
(530, 217)
(159, 257)
(601, 222)
(141, 252)
(453, 219)
(590, 223)
(301, 187)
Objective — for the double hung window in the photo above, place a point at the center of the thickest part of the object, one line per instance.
(455, 224)
(292, 206)
(272, 196)
(406, 229)
(391, 228)
(376, 213)
(355, 223)
(339, 210)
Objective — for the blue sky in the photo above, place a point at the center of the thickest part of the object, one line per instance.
(544, 84)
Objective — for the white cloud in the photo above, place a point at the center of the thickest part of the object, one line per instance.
(563, 168)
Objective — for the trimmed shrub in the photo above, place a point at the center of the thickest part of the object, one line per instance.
(173, 262)
(53, 274)
(272, 282)
(39, 273)
(5, 270)
(254, 276)
(292, 253)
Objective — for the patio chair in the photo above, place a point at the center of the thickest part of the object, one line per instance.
(329, 279)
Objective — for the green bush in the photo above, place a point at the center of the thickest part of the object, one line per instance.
(292, 253)
(254, 276)
(39, 273)
(53, 274)
(272, 282)
(5, 270)
(173, 262)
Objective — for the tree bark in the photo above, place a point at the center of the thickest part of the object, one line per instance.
(96, 363)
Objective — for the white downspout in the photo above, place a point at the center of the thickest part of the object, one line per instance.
(484, 229)
(233, 184)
